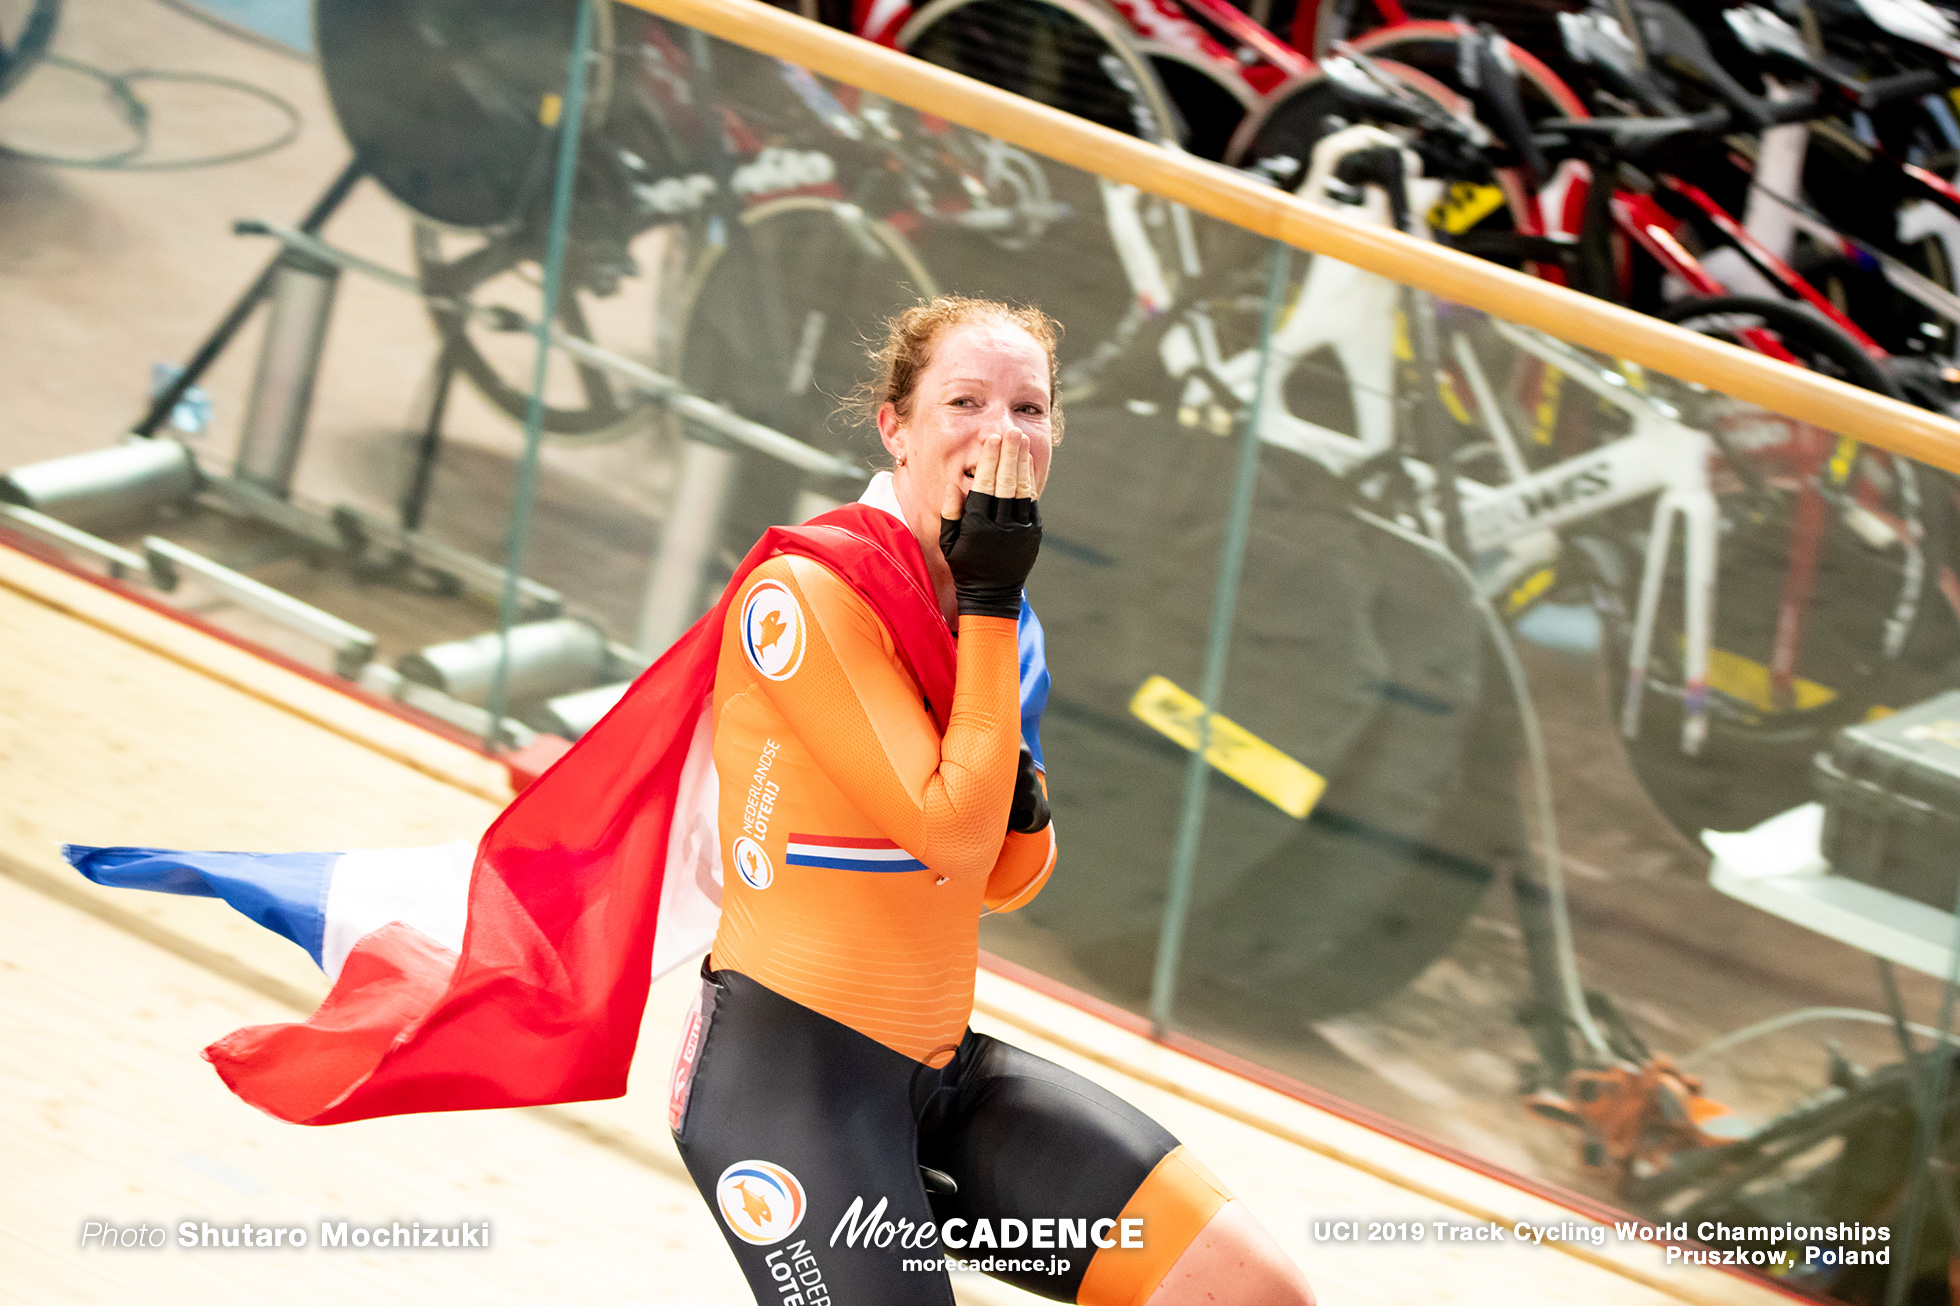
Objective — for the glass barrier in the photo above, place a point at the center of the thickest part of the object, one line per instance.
(1495, 629)
(1496, 734)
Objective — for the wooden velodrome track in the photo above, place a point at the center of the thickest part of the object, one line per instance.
(121, 724)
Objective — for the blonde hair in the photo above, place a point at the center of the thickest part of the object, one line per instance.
(907, 351)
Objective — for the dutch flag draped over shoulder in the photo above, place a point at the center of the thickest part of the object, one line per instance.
(514, 972)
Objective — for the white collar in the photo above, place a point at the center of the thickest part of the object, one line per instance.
(881, 494)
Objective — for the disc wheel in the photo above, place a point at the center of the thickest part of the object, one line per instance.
(443, 108)
(775, 330)
(1356, 654)
(1531, 25)
(441, 101)
(1820, 574)
(1210, 103)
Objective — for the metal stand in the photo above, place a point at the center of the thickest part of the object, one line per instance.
(221, 335)
(421, 477)
(302, 291)
(693, 524)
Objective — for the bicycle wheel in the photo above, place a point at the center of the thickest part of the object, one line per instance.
(484, 207)
(441, 101)
(1821, 589)
(1435, 48)
(1529, 24)
(1069, 54)
(583, 403)
(1074, 55)
(1276, 139)
(1840, 1156)
(1210, 104)
(775, 332)
(1358, 654)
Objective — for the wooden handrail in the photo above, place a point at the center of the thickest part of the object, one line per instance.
(1227, 195)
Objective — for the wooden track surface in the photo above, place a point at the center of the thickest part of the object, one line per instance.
(111, 730)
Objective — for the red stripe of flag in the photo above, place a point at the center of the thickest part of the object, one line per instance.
(841, 841)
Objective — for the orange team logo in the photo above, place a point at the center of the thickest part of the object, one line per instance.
(760, 1202)
(753, 864)
(773, 630)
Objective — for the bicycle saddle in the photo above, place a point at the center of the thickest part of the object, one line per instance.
(1764, 34)
(1914, 21)
(1597, 41)
(1782, 49)
(1674, 42)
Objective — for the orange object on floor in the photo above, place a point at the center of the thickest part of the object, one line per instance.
(1637, 1115)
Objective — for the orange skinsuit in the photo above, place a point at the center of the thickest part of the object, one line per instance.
(844, 749)
(837, 757)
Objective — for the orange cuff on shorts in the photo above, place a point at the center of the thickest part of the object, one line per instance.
(1175, 1202)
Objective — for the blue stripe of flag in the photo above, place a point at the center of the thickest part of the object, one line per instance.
(285, 892)
(849, 864)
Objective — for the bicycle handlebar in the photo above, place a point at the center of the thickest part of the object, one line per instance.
(1627, 137)
(1632, 136)
(1812, 104)
(1453, 147)
(1903, 86)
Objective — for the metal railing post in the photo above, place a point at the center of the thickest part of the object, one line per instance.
(571, 115)
(1231, 560)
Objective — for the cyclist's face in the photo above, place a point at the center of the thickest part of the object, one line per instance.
(983, 378)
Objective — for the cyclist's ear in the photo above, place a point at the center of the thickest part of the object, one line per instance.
(887, 420)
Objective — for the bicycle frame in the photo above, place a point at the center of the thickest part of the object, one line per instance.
(1661, 455)
(1652, 228)
(1512, 525)
(1766, 261)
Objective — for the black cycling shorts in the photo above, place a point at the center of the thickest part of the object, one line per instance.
(835, 1165)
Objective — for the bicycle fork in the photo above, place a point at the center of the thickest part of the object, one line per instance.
(1699, 520)
(1662, 453)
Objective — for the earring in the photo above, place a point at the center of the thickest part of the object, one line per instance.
(901, 460)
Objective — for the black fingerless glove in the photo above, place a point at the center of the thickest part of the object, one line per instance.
(1030, 811)
(991, 549)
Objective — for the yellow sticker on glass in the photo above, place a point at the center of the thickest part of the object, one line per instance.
(1234, 750)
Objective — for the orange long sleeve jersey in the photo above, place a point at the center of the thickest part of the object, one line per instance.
(860, 844)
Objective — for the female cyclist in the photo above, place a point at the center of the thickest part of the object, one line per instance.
(876, 796)
(875, 792)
